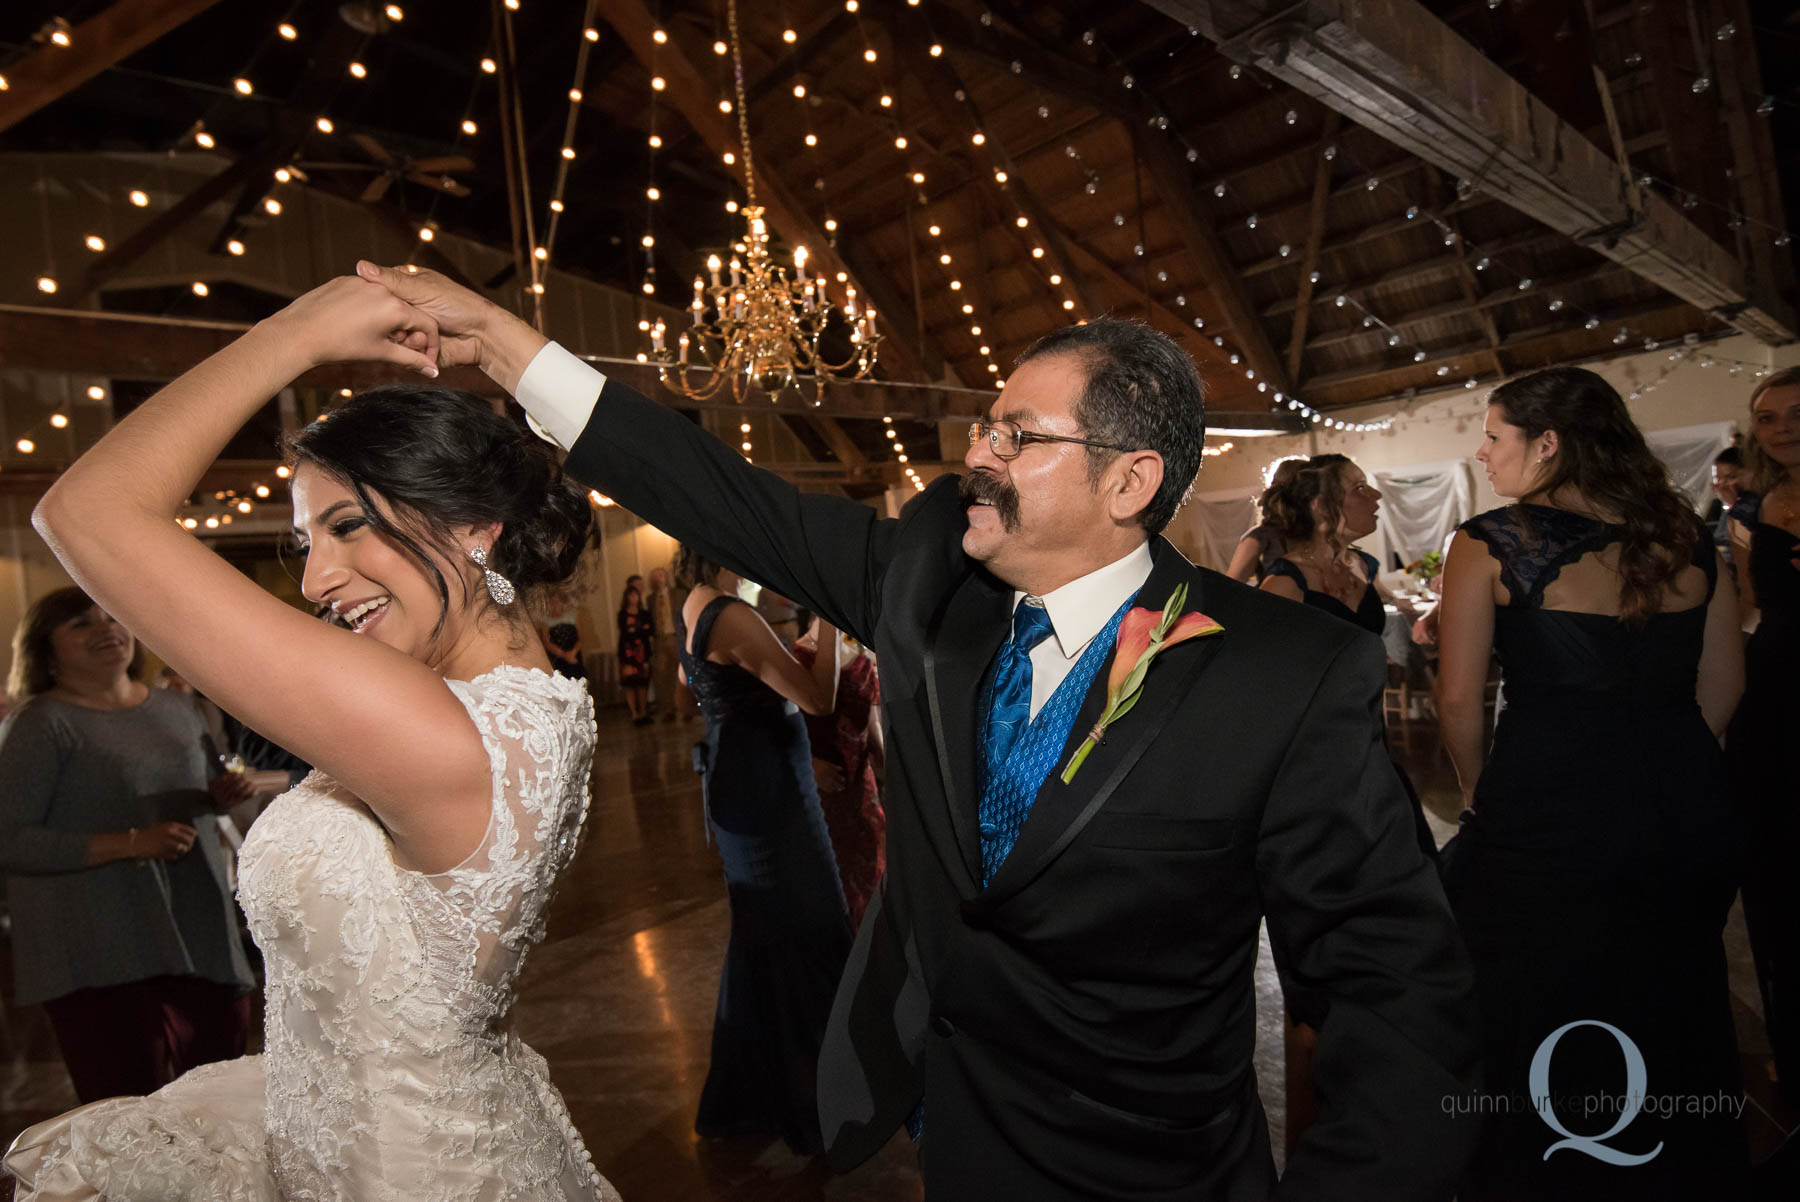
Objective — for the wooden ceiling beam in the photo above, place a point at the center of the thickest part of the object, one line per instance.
(943, 82)
(1477, 303)
(1657, 318)
(1422, 272)
(808, 45)
(1697, 153)
(164, 225)
(1368, 233)
(690, 94)
(1395, 68)
(115, 33)
(327, 68)
(836, 437)
(1053, 72)
(1471, 287)
(96, 344)
(1309, 255)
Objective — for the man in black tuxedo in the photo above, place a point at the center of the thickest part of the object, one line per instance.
(1065, 999)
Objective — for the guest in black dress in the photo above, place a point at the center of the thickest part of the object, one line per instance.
(1317, 514)
(637, 637)
(1262, 542)
(790, 931)
(1599, 853)
(1314, 509)
(1760, 747)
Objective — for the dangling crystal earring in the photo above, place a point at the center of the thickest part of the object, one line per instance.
(498, 587)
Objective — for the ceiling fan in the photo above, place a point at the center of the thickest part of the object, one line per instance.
(388, 167)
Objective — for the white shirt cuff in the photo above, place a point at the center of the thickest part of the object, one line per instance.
(558, 392)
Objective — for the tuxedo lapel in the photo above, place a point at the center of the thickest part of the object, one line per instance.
(1059, 811)
(960, 643)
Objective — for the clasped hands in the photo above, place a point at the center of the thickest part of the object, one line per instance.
(410, 316)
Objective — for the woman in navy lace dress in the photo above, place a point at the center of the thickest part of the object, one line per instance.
(1767, 538)
(790, 932)
(1599, 853)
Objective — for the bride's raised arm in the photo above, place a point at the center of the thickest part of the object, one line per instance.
(373, 712)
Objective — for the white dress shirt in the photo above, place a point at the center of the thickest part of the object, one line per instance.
(558, 392)
(1078, 611)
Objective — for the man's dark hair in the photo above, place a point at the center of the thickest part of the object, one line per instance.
(1142, 392)
(1730, 457)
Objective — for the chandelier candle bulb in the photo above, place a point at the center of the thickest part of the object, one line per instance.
(800, 264)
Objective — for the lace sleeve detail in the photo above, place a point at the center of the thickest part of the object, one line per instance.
(1533, 544)
(539, 733)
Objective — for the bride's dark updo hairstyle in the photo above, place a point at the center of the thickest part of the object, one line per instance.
(438, 459)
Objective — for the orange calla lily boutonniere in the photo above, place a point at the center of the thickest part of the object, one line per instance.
(1143, 635)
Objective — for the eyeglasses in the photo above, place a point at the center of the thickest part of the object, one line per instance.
(1007, 439)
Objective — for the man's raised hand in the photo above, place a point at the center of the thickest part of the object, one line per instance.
(471, 329)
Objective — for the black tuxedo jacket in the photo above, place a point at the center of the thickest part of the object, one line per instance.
(1082, 1027)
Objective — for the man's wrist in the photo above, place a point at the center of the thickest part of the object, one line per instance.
(508, 345)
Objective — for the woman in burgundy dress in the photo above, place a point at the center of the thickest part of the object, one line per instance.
(847, 752)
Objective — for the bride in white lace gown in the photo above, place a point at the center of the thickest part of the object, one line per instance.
(396, 890)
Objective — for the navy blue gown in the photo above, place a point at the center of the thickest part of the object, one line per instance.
(1761, 750)
(790, 930)
(1592, 881)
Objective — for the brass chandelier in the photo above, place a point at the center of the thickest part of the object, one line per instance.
(759, 326)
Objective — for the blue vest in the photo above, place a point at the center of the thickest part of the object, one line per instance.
(1008, 788)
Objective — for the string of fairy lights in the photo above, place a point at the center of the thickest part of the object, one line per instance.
(1491, 263)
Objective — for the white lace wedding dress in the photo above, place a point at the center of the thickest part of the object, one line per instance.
(389, 1070)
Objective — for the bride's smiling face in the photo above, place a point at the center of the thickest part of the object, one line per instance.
(372, 586)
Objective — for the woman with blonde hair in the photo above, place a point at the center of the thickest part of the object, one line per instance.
(1766, 538)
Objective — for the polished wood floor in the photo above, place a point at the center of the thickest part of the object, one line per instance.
(620, 997)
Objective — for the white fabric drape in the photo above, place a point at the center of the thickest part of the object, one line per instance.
(1420, 506)
(1209, 526)
(1688, 454)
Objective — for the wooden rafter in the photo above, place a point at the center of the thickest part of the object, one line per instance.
(1394, 67)
(1479, 303)
(1469, 284)
(1697, 153)
(205, 194)
(1423, 272)
(1655, 318)
(693, 98)
(943, 81)
(1368, 233)
(1309, 255)
(115, 33)
(326, 70)
(1170, 175)
(124, 346)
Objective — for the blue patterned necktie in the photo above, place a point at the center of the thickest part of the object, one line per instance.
(1009, 702)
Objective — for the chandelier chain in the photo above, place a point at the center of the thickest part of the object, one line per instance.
(743, 109)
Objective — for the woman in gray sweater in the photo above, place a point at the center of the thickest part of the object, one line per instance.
(123, 924)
